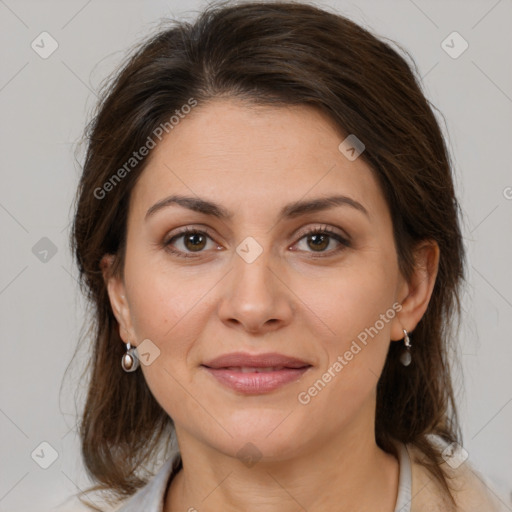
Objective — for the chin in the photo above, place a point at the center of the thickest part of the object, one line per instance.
(266, 433)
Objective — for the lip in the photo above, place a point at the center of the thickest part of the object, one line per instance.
(268, 359)
(234, 371)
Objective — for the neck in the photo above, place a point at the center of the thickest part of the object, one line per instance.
(345, 472)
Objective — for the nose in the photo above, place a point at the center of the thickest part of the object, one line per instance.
(255, 297)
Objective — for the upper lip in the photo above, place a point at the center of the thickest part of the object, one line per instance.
(241, 359)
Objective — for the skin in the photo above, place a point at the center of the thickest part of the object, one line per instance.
(295, 299)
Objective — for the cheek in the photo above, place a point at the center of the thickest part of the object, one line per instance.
(356, 309)
(349, 301)
(167, 310)
(161, 301)
(162, 311)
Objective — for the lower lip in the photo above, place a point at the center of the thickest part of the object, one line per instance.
(255, 383)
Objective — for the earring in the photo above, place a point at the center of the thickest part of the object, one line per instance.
(405, 357)
(130, 361)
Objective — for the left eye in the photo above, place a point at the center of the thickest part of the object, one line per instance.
(320, 239)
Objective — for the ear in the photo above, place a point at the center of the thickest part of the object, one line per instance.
(417, 291)
(117, 295)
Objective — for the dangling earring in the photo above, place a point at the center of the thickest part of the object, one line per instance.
(405, 357)
(130, 361)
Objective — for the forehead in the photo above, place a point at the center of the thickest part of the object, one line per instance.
(253, 157)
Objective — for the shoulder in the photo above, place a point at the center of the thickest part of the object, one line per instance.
(471, 490)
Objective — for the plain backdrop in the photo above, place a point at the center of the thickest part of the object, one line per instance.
(45, 104)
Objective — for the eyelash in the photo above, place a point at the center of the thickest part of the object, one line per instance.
(344, 243)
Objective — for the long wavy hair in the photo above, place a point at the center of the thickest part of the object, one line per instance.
(268, 53)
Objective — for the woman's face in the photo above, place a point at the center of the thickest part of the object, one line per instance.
(255, 282)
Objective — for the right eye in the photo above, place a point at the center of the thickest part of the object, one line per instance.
(191, 240)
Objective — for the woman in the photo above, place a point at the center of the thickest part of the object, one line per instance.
(267, 228)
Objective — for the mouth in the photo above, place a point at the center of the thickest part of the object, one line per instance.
(251, 369)
(255, 374)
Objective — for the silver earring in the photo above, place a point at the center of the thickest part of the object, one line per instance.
(405, 357)
(130, 361)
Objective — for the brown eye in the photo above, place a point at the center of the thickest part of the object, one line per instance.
(318, 240)
(194, 241)
(187, 242)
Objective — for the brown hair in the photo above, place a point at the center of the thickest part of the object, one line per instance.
(272, 54)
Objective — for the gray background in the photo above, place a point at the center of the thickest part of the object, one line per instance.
(45, 104)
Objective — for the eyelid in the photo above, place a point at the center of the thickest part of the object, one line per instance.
(324, 228)
(188, 229)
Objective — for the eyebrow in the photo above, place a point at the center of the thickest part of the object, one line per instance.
(289, 211)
